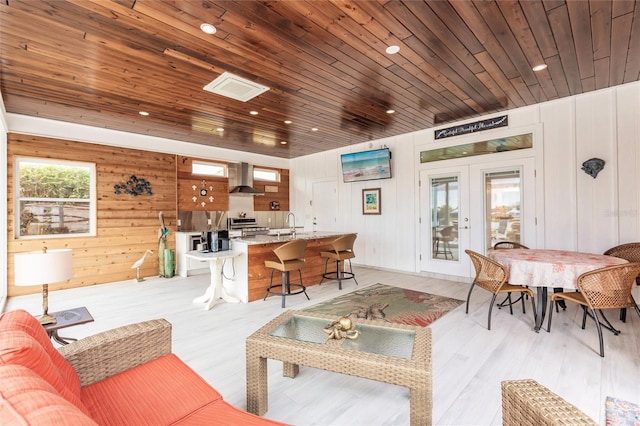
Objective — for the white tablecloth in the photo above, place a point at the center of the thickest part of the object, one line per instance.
(549, 268)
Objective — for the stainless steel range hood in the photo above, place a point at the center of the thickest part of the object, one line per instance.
(241, 180)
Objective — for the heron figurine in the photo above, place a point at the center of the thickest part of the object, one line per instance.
(139, 263)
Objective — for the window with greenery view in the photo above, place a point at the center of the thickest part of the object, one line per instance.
(55, 198)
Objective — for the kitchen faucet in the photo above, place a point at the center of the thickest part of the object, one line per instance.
(294, 223)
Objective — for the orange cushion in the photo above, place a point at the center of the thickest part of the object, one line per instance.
(222, 413)
(162, 391)
(19, 348)
(22, 320)
(26, 398)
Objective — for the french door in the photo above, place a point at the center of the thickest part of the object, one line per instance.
(444, 220)
(473, 207)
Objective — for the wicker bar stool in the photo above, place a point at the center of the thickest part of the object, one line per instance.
(290, 258)
(341, 250)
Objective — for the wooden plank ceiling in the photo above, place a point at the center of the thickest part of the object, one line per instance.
(100, 62)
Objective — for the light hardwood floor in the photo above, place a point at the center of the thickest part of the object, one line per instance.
(469, 361)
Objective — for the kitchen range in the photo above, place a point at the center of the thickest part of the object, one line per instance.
(245, 227)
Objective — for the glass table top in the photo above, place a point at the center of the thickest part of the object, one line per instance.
(372, 339)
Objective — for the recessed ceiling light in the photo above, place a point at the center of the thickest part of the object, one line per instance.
(288, 121)
(208, 28)
(283, 142)
(391, 111)
(145, 113)
(391, 50)
(314, 129)
(539, 67)
(253, 112)
(219, 129)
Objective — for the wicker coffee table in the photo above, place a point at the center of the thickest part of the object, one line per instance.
(386, 352)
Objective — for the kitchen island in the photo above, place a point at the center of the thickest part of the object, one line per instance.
(252, 277)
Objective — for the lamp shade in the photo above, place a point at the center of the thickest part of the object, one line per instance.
(38, 267)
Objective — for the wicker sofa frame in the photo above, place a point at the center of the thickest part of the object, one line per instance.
(527, 403)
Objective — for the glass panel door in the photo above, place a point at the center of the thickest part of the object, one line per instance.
(445, 200)
(502, 196)
(503, 200)
(444, 220)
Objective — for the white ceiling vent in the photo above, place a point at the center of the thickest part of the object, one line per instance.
(235, 87)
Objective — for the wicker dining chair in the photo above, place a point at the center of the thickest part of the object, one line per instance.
(629, 251)
(603, 288)
(445, 236)
(493, 277)
(509, 245)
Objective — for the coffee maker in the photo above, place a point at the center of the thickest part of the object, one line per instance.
(214, 241)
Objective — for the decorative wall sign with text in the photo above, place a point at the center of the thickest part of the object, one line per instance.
(463, 129)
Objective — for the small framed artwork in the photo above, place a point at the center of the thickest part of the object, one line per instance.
(371, 202)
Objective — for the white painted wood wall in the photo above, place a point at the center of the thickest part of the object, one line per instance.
(580, 213)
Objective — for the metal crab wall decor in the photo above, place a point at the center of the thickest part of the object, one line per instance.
(134, 186)
(593, 166)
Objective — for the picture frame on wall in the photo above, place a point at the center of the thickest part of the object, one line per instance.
(371, 201)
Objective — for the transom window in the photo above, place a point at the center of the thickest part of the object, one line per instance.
(266, 174)
(208, 169)
(55, 198)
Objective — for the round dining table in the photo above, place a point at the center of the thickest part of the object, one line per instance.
(543, 268)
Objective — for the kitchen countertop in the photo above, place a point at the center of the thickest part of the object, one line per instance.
(269, 239)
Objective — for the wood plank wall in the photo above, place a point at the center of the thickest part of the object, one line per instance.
(126, 225)
(218, 188)
(273, 191)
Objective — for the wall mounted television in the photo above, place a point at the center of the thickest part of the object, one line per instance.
(366, 165)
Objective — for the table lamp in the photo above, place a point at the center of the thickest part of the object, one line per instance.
(42, 268)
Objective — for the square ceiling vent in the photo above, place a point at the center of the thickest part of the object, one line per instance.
(234, 87)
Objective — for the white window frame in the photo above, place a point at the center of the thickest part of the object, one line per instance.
(260, 174)
(212, 165)
(55, 162)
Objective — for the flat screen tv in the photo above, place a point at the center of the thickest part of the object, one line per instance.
(366, 165)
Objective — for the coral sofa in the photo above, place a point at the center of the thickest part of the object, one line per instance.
(125, 376)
